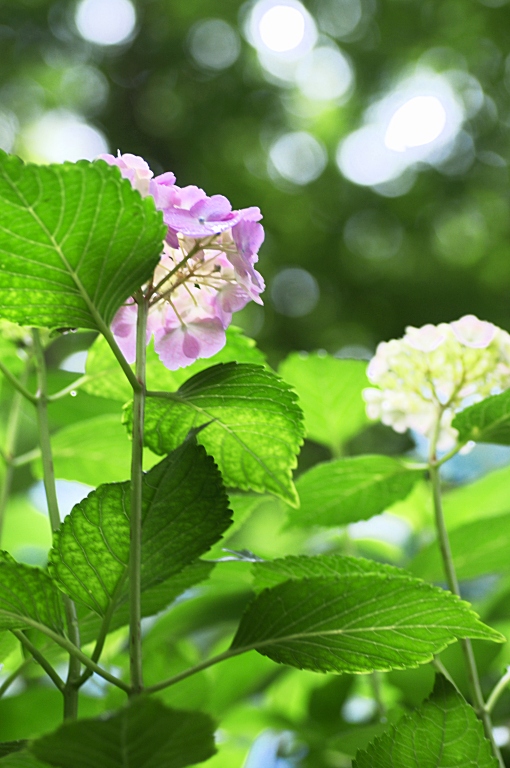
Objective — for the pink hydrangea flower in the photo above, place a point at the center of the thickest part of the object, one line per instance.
(206, 272)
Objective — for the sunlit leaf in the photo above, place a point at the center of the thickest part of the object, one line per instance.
(269, 573)
(107, 380)
(492, 537)
(184, 509)
(145, 734)
(485, 497)
(356, 488)
(75, 242)
(329, 392)
(356, 622)
(443, 733)
(254, 425)
(487, 421)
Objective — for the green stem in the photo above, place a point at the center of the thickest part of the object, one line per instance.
(438, 664)
(105, 626)
(70, 388)
(71, 688)
(194, 670)
(11, 437)
(14, 675)
(451, 578)
(135, 550)
(17, 384)
(40, 659)
(68, 646)
(375, 680)
(498, 690)
(131, 377)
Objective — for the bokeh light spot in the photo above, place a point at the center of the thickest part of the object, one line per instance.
(282, 28)
(214, 44)
(294, 292)
(105, 22)
(298, 157)
(324, 74)
(60, 136)
(417, 122)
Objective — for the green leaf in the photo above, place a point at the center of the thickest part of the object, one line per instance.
(109, 381)
(254, 425)
(145, 734)
(329, 392)
(492, 537)
(356, 622)
(27, 593)
(185, 510)
(272, 572)
(94, 451)
(75, 241)
(443, 733)
(345, 490)
(487, 421)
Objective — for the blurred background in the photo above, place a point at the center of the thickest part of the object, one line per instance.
(373, 134)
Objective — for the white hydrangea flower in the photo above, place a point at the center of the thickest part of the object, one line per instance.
(435, 371)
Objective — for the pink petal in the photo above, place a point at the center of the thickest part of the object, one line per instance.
(215, 208)
(181, 346)
(472, 332)
(248, 237)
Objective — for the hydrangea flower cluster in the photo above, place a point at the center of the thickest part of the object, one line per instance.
(435, 371)
(206, 271)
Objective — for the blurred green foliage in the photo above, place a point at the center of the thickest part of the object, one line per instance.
(432, 254)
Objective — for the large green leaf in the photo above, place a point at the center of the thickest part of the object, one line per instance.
(487, 421)
(185, 510)
(269, 573)
(107, 380)
(27, 593)
(145, 734)
(329, 392)
(443, 733)
(490, 555)
(355, 621)
(345, 490)
(75, 242)
(254, 425)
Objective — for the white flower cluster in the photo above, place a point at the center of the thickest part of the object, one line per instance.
(435, 371)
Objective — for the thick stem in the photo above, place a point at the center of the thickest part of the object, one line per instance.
(71, 688)
(135, 550)
(11, 436)
(451, 578)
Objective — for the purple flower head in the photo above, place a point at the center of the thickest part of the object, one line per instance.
(206, 271)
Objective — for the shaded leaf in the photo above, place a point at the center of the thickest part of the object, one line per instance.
(185, 510)
(329, 393)
(109, 381)
(356, 622)
(487, 421)
(75, 240)
(492, 537)
(7, 747)
(27, 593)
(145, 734)
(345, 490)
(443, 733)
(254, 425)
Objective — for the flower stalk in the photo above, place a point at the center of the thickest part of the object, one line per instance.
(135, 552)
